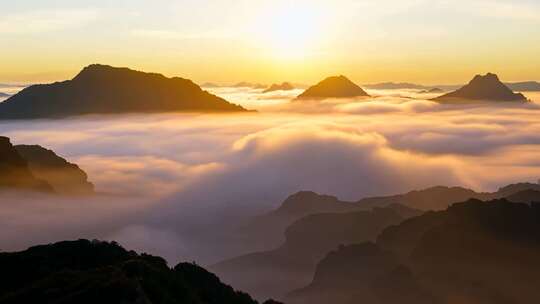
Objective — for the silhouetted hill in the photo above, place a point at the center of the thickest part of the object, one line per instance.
(473, 252)
(100, 89)
(266, 231)
(314, 224)
(431, 91)
(63, 176)
(279, 87)
(15, 173)
(527, 86)
(361, 273)
(333, 87)
(482, 88)
(291, 266)
(525, 196)
(99, 272)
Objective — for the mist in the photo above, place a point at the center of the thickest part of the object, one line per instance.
(178, 185)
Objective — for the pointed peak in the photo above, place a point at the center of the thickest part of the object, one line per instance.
(486, 87)
(488, 77)
(334, 87)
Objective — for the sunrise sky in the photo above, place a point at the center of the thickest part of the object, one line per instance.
(425, 41)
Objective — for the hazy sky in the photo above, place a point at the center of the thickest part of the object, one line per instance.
(428, 41)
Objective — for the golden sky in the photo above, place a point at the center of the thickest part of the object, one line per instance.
(432, 42)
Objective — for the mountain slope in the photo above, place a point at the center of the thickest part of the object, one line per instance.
(63, 176)
(291, 266)
(333, 87)
(473, 252)
(99, 272)
(100, 89)
(483, 88)
(15, 173)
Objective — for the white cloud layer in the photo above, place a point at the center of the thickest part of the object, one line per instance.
(179, 183)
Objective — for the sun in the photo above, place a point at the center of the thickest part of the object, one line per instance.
(290, 32)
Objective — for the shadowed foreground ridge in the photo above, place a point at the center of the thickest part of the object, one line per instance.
(334, 87)
(101, 89)
(483, 88)
(99, 272)
(473, 252)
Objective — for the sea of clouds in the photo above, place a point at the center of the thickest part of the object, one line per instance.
(178, 185)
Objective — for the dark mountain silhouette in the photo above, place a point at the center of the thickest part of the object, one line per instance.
(99, 272)
(308, 225)
(333, 87)
(279, 87)
(361, 273)
(527, 86)
(291, 266)
(100, 89)
(15, 172)
(525, 196)
(431, 91)
(483, 88)
(266, 231)
(473, 252)
(64, 177)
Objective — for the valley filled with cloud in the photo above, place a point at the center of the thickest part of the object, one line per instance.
(179, 185)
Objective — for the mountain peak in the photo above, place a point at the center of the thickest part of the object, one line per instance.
(103, 89)
(334, 87)
(489, 77)
(483, 88)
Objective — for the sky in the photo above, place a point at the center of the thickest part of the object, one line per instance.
(423, 41)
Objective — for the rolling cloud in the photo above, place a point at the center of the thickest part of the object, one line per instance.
(177, 185)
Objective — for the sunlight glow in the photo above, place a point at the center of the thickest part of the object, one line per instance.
(289, 33)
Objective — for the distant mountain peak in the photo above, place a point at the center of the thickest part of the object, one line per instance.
(285, 86)
(483, 88)
(334, 87)
(103, 89)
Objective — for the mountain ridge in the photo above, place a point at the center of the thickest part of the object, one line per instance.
(482, 88)
(103, 89)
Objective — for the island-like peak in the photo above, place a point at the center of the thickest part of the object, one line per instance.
(286, 86)
(334, 87)
(103, 89)
(483, 88)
